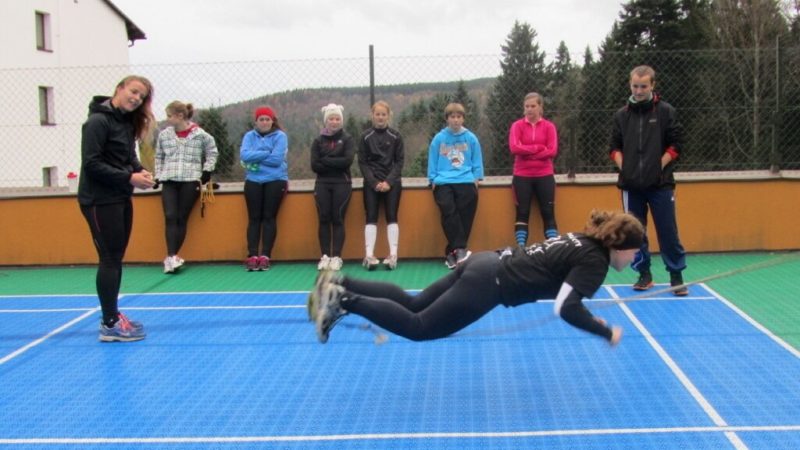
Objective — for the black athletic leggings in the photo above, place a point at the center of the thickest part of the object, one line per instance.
(332, 200)
(111, 230)
(544, 188)
(178, 198)
(446, 306)
(263, 202)
(391, 202)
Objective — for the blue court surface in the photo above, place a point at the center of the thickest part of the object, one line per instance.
(245, 371)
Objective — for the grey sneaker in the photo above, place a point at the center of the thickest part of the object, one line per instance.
(390, 262)
(336, 263)
(124, 330)
(330, 311)
(370, 263)
(461, 255)
(450, 260)
(312, 303)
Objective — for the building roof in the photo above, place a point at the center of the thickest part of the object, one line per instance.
(134, 32)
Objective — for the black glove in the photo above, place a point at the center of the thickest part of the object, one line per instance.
(205, 177)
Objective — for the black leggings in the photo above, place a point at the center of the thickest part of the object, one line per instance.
(332, 200)
(263, 202)
(111, 230)
(544, 187)
(446, 306)
(391, 202)
(178, 198)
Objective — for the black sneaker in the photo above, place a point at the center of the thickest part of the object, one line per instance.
(461, 255)
(676, 279)
(645, 281)
(451, 260)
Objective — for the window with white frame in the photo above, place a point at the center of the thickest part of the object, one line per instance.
(43, 32)
(46, 116)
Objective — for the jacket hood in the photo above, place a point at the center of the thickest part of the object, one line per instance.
(102, 104)
(643, 106)
(455, 133)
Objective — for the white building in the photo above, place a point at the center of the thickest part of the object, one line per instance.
(57, 54)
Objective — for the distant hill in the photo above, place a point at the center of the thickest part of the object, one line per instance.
(299, 113)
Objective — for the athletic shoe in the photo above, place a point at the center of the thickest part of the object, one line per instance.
(324, 277)
(336, 263)
(177, 262)
(676, 279)
(169, 265)
(251, 263)
(263, 263)
(645, 281)
(324, 263)
(450, 260)
(461, 255)
(390, 262)
(123, 331)
(330, 311)
(370, 262)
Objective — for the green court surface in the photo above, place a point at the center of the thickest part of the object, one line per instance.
(763, 285)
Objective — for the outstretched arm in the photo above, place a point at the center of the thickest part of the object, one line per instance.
(569, 306)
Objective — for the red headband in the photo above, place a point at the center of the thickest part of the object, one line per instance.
(264, 111)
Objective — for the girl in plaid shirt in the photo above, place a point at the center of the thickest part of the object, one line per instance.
(185, 157)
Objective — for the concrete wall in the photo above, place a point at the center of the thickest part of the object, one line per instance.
(713, 216)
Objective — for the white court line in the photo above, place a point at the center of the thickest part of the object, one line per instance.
(386, 436)
(682, 377)
(32, 344)
(754, 323)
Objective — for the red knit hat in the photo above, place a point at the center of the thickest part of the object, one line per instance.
(264, 111)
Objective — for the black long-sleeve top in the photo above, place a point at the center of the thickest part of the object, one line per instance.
(380, 156)
(332, 156)
(540, 270)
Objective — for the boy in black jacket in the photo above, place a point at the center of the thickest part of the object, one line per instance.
(645, 142)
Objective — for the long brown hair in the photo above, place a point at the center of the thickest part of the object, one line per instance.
(144, 121)
(614, 229)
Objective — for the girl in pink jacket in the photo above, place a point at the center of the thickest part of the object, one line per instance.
(533, 141)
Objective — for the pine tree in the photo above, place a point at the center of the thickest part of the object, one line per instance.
(523, 71)
(211, 120)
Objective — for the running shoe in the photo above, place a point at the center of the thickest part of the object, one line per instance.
(123, 331)
(390, 262)
(330, 311)
(644, 282)
(263, 263)
(251, 263)
(676, 279)
(370, 263)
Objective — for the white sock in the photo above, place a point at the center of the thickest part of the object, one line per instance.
(393, 233)
(370, 234)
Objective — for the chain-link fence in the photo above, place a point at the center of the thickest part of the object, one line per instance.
(739, 108)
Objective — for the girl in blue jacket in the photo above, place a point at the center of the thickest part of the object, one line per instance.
(263, 155)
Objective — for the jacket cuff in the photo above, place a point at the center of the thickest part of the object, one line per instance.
(672, 152)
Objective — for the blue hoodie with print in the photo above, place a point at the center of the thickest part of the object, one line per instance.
(455, 157)
(264, 156)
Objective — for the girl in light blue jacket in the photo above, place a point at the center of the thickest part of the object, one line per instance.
(263, 155)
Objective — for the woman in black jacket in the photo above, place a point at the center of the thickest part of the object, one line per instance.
(567, 268)
(332, 154)
(110, 170)
(380, 157)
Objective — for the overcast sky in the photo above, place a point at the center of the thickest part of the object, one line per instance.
(249, 30)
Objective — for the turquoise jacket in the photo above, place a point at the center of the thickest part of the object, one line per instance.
(455, 157)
